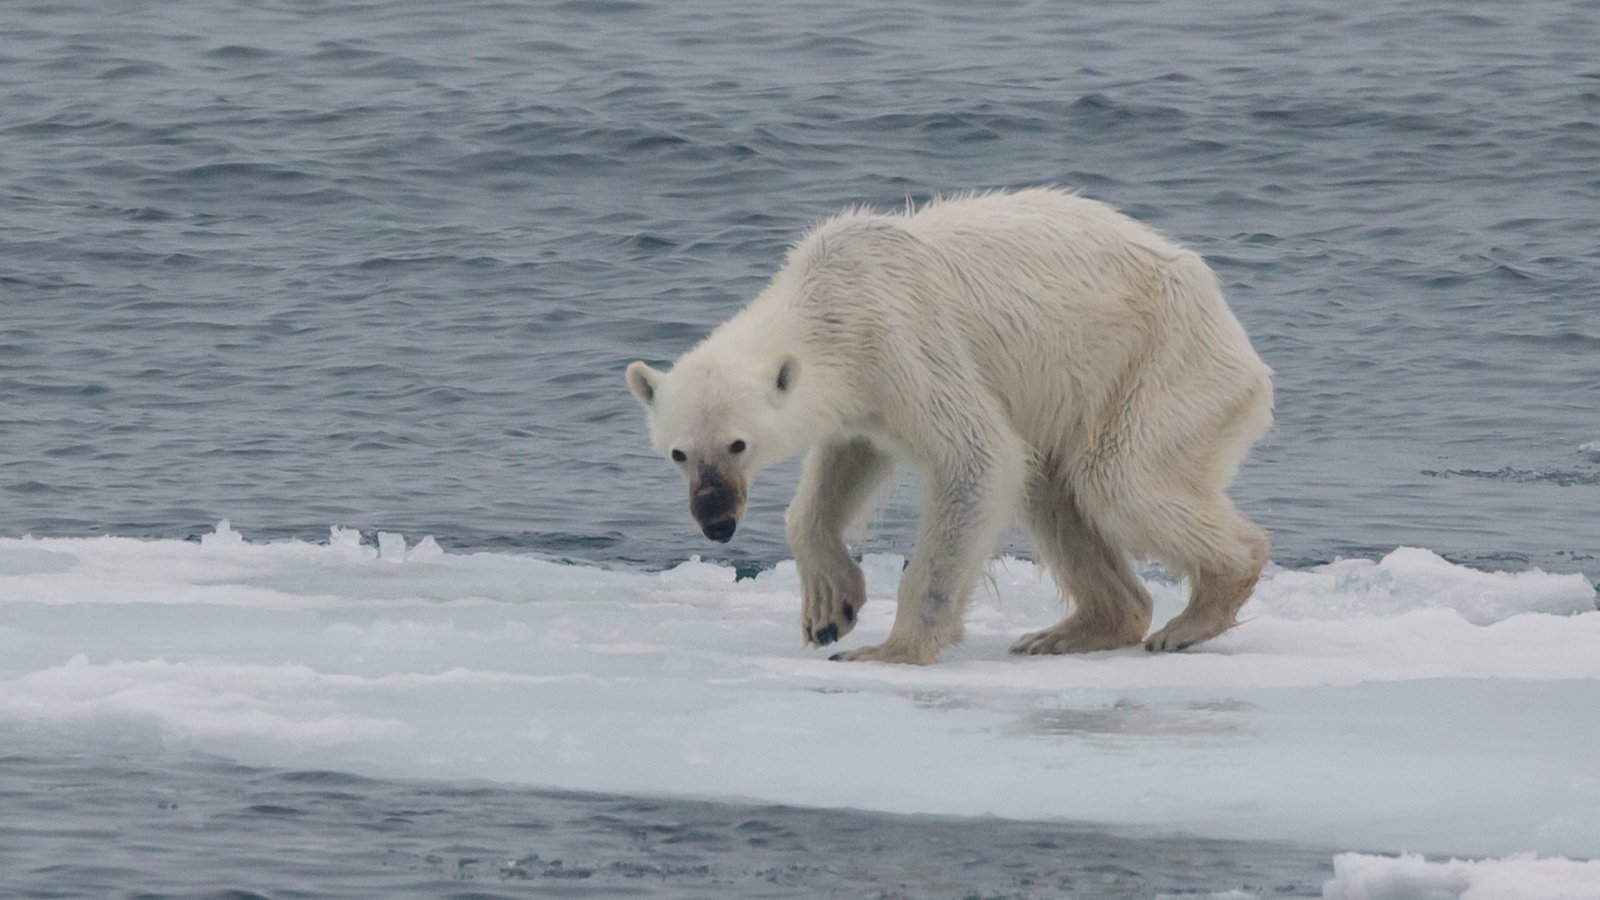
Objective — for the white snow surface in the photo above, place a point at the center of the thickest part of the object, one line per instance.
(1358, 876)
(1406, 704)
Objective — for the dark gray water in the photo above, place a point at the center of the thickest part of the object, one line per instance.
(380, 265)
(141, 828)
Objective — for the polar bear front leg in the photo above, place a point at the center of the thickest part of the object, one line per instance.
(835, 482)
(972, 496)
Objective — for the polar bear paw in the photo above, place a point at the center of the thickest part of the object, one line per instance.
(915, 654)
(831, 600)
(1064, 637)
(1187, 630)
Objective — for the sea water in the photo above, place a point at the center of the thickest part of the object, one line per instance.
(330, 270)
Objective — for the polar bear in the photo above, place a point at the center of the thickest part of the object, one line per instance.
(1036, 354)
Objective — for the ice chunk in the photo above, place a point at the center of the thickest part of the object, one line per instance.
(1409, 578)
(1409, 876)
(222, 536)
(426, 550)
(391, 547)
(347, 540)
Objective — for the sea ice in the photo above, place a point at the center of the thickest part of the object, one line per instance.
(1400, 704)
(1358, 876)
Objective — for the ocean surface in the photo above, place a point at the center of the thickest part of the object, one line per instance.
(216, 829)
(379, 266)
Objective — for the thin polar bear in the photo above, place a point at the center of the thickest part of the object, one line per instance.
(1039, 356)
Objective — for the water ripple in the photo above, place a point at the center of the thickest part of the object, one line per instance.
(290, 263)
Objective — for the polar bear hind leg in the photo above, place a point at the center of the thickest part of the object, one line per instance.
(1197, 533)
(1110, 608)
(1222, 562)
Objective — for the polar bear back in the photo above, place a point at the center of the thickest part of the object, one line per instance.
(1089, 329)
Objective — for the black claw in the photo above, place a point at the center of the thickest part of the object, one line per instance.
(1149, 646)
(837, 657)
(1186, 646)
(849, 612)
(828, 634)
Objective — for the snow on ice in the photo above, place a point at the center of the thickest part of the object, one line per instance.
(1358, 876)
(1399, 705)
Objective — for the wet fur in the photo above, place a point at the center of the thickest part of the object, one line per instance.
(1038, 355)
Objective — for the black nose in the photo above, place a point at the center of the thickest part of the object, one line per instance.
(720, 531)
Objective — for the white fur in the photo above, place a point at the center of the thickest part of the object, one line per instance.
(1035, 353)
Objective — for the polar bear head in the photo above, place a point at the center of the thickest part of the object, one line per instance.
(720, 421)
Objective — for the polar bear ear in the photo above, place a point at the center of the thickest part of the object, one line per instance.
(642, 380)
(788, 374)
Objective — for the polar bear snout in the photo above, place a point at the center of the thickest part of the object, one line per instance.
(716, 500)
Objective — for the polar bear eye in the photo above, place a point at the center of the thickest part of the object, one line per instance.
(678, 456)
(736, 447)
